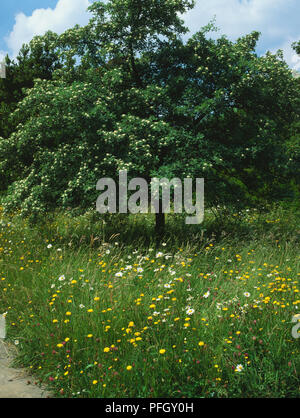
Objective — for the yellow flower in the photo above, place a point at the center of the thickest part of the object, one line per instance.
(201, 343)
(128, 367)
(95, 382)
(68, 313)
(106, 349)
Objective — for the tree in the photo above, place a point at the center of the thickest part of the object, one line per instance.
(237, 108)
(293, 144)
(118, 31)
(38, 59)
(143, 100)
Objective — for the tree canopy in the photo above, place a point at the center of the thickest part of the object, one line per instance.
(126, 92)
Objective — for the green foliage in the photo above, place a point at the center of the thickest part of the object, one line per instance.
(296, 46)
(293, 144)
(130, 94)
(38, 59)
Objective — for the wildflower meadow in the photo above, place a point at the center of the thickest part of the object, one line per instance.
(94, 317)
(149, 199)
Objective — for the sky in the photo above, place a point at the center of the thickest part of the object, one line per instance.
(277, 20)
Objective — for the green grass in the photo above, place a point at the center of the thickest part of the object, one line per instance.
(80, 332)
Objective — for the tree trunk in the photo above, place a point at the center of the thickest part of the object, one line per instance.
(160, 223)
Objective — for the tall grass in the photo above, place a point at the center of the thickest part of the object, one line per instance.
(97, 309)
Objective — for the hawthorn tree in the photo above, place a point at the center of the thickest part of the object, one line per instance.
(133, 95)
(118, 32)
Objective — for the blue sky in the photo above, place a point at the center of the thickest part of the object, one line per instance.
(12, 7)
(277, 20)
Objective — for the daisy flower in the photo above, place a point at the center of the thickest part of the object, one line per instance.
(239, 368)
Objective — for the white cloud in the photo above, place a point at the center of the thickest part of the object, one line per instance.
(295, 60)
(65, 15)
(290, 55)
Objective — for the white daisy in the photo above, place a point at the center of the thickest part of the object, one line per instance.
(190, 311)
(239, 368)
